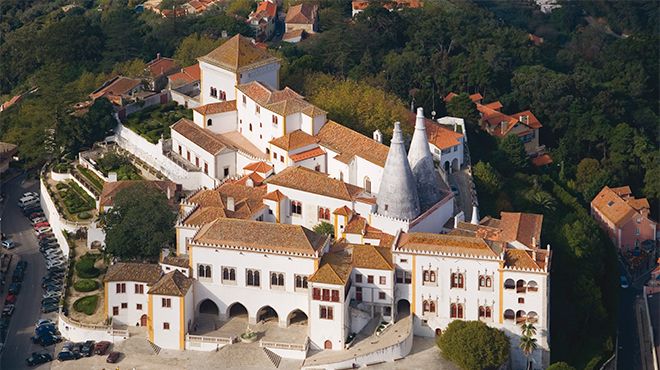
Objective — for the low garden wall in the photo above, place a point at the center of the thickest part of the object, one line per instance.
(206, 343)
(80, 332)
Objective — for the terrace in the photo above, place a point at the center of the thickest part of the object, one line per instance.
(72, 202)
(154, 122)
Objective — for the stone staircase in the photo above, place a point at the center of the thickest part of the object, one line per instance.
(154, 347)
(273, 357)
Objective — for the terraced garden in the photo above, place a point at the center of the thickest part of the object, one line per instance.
(154, 121)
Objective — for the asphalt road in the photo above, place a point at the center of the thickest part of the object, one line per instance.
(628, 355)
(18, 346)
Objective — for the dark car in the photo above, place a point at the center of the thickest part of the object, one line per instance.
(38, 358)
(15, 288)
(113, 357)
(22, 265)
(67, 356)
(8, 310)
(77, 347)
(46, 330)
(18, 275)
(49, 308)
(46, 340)
(87, 349)
(101, 348)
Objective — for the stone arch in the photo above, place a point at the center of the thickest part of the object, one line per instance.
(402, 308)
(327, 344)
(509, 284)
(446, 166)
(454, 165)
(237, 309)
(267, 313)
(209, 307)
(509, 315)
(297, 317)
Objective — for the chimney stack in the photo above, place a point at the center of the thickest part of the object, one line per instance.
(230, 203)
(157, 56)
(378, 136)
(169, 193)
(475, 215)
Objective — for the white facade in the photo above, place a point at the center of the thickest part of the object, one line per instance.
(328, 331)
(126, 301)
(172, 322)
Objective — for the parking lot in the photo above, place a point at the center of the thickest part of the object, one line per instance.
(18, 345)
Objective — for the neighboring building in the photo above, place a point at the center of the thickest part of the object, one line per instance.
(302, 17)
(445, 141)
(157, 70)
(294, 36)
(119, 90)
(126, 285)
(262, 20)
(7, 153)
(110, 190)
(625, 219)
(14, 100)
(359, 6)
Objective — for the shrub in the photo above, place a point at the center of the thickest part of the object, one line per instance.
(474, 345)
(61, 186)
(84, 215)
(85, 267)
(87, 304)
(86, 285)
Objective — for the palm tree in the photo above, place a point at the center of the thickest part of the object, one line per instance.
(527, 342)
(528, 329)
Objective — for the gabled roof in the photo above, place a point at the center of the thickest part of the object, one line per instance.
(343, 211)
(294, 140)
(349, 143)
(304, 13)
(259, 167)
(173, 283)
(265, 9)
(275, 196)
(521, 259)
(238, 54)
(372, 257)
(260, 236)
(133, 271)
(117, 86)
(205, 139)
(522, 227)
(178, 261)
(446, 244)
(161, 66)
(618, 209)
(248, 201)
(186, 75)
(215, 108)
(307, 154)
(307, 180)
(335, 268)
(438, 135)
(283, 102)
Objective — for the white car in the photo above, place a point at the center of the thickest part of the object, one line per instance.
(8, 244)
(30, 194)
(55, 262)
(56, 254)
(43, 230)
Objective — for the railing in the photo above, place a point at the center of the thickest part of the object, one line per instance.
(281, 345)
(107, 328)
(207, 339)
(118, 332)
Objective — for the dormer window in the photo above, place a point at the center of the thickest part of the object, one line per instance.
(610, 203)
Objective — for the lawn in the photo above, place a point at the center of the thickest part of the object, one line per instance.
(94, 180)
(85, 267)
(87, 304)
(154, 121)
(111, 162)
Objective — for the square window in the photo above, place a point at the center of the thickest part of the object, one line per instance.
(381, 295)
(521, 300)
(358, 278)
(115, 311)
(370, 279)
(166, 326)
(124, 305)
(138, 307)
(382, 280)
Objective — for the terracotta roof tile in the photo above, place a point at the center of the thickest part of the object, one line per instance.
(304, 13)
(446, 244)
(133, 271)
(522, 227)
(275, 196)
(259, 167)
(311, 181)
(187, 75)
(613, 207)
(349, 143)
(521, 259)
(178, 261)
(542, 160)
(260, 236)
(294, 34)
(372, 257)
(254, 177)
(248, 201)
(335, 268)
(437, 134)
(315, 152)
(205, 139)
(238, 54)
(162, 66)
(117, 86)
(110, 189)
(214, 108)
(173, 283)
(343, 211)
(294, 140)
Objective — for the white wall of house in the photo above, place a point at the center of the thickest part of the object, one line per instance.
(268, 74)
(217, 78)
(371, 292)
(284, 300)
(434, 219)
(256, 123)
(135, 303)
(314, 163)
(334, 330)
(194, 154)
(173, 316)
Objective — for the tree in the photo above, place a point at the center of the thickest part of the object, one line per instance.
(241, 8)
(462, 107)
(590, 178)
(487, 178)
(473, 345)
(560, 366)
(139, 224)
(527, 341)
(512, 156)
(324, 228)
(193, 47)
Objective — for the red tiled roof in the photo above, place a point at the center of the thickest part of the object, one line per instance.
(187, 75)
(265, 9)
(203, 138)
(542, 160)
(161, 66)
(437, 134)
(294, 140)
(315, 152)
(275, 196)
(618, 209)
(304, 13)
(117, 86)
(294, 34)
(215, 108)
(259, 167)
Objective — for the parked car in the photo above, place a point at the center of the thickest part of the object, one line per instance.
(37, 220)
(49, 308)
(18, 275)
(38, 358)
(10, 298)
(67, 356)
(43, 230)
(36, 214)
(113, 357)
(45, 236)
(46, 330)
(32, 209)
(8, 244)
(44, 322)
(22, 264)
(46, 340)
(624, 282)
(101, 348)
(87, 349)
(41, 224)
(67, 346)
(8, 310)
(31, 194)
(15, 288)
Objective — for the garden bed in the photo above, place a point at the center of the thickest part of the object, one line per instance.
(122, 166)
(87, 304)
(155, 121)
(72, 201)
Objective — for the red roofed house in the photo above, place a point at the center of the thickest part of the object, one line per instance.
(522, 124)
(157, 71)
(445, 141)
(302, 17)
(262, 20)
(359, 6)
(625, 218)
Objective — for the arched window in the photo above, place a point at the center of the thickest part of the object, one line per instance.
(256, 277)
(433, 276)
(509, 315)
(250, 277)
(460, 280)
(509, 284)
(520, 286)
(482, 312)
(426, 306)
(489, 282)
(209, 122)
(432, 306)
(532, 317)
(488, 312)
(232, 274)
(296, 208)
(200, 271)
(225, 273)
(457, 280)
(250, 127)
(298, 281)
(459, 311)
(208, 271)
(341, 176)
(425, 275)
(532, 286)
(482, 281)
(367, 184)
(327, 214)
(280, 279)
(273, 278)
(324, 214)
(452, 310)
(521, 316)
(203, 271)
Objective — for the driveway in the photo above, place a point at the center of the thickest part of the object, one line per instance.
(28, 306)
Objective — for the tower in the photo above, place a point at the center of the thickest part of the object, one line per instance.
(427, 179)
(397, 196)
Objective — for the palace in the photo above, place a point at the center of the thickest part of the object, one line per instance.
(397, 252)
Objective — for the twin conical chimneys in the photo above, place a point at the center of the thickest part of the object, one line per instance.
(397, 196)
(427, 178)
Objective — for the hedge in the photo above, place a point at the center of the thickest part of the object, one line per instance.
(86, 285)
(86, 305)
(85, 267)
